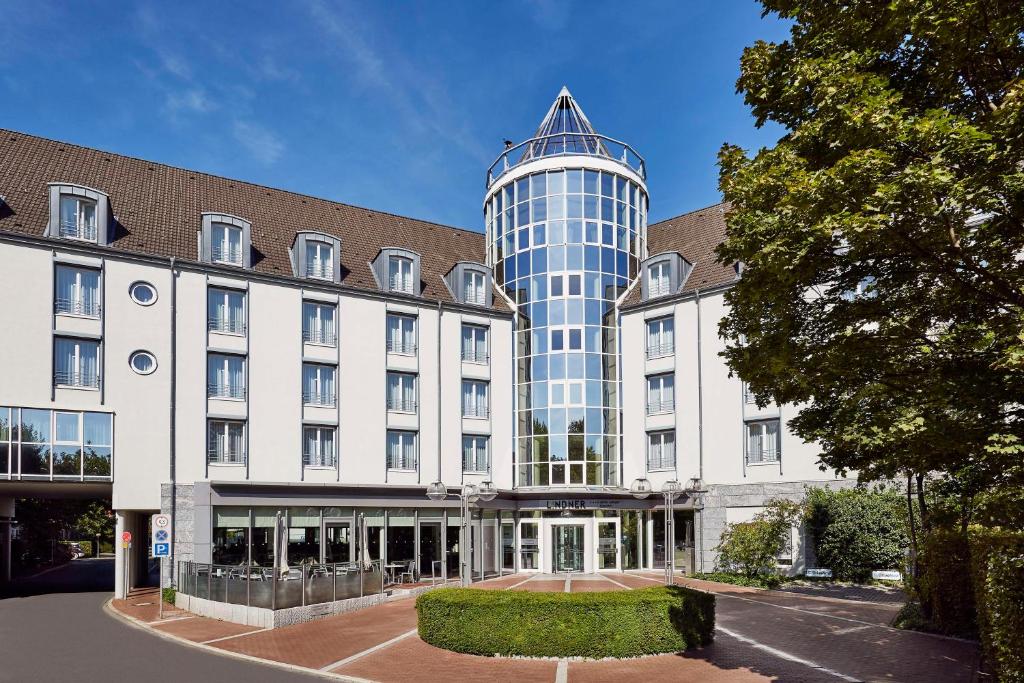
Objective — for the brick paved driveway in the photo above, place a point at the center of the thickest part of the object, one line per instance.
(762, 636)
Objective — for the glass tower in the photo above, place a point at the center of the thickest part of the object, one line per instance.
(566, 217)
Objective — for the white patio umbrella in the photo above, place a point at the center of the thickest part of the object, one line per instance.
(364, 543)
(281, 549)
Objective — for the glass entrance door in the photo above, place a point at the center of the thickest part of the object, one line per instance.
(430, 550)
(338, 542)
(567, 548)
(607, 544)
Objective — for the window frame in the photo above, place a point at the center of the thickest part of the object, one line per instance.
(227, 326)
(476, 457)
(663, 349)
(474, 287)
(763, 428)
(224, 456)
(662, 407)
(406, 284)
(661, 435)
(403, 435)
(76, 307)
(401, 348)
(319, 337)
(325, 461)
(217, 250)
(664, 279)
(77, 234)
(323, 399)
(317, 268)
(476, 385)
(78, 378)
(475, 331)
(214, 390)
(142, 352)
(401, 405)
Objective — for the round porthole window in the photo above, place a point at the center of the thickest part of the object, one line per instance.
(142, 293)
(142, 362)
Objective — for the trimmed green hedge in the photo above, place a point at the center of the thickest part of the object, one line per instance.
(593, 625)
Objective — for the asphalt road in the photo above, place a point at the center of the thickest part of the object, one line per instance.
(53, 628)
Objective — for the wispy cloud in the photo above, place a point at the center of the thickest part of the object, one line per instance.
(193, 100)
(260, 142)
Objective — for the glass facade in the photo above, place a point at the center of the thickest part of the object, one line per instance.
(564, 244)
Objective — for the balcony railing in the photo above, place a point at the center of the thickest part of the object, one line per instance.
(474, 356)
(475, 411)
(221, 456)
(321, 271)
(319, 459)
(659, 407)
(566, 144)
(660, 350)
(229, 254)
(87, 380)
(315, 336)
(762, 457)
(227, 325)
(401, 347)
(400, 405)
(78, 231)
(662, 462)
(235, 391)
(318, 398)
(89, 309)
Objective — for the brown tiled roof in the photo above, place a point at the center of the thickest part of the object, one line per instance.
(158, 210)
(694, 235)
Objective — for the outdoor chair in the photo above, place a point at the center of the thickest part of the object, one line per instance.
(410, 572)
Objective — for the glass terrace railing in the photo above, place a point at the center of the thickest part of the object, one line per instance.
(566, 144)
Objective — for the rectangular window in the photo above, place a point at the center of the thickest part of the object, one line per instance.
(227, 442)
(474, 454)
(661, 450)
(658, 279)
(473, 288)
(400, 274)
(319, 260)
(226, 244)
(402, 334)
(226, 376)
(77, 218)
(64, 444)
(318, 387)
(401, 392)
(474, 343)
(318, 324)
(660, 337)
(226, 311)
(401, 450)
(763, 442)
(76, 363)
(318, 447)
(474, 399)
(77, 292)
(660, 394)
(748, 395)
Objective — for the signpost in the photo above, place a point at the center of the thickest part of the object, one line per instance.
(126, 544)
(160, 544)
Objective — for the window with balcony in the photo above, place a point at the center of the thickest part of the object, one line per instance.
(318, 447)
(78, 218)
(473, 285)
(401, 450)
(76, 363)
(661, 450)
(474, 344)
(659, 279)
(474, 454)
(401, 392)
(763, 442)
(226, 376)
(226, 311)
(319, 260)
(226, 442)
(474, 399)
(660, 394)
(226, 244)
(318, 387)
(401, 334)
(77, 291)
(660, 337)
(318, 324)
(400, 276)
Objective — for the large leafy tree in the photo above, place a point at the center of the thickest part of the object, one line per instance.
(882, 238)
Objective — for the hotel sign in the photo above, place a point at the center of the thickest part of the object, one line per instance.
(562, 504)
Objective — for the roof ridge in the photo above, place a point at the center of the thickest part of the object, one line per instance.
(689, 213)
(4, 131)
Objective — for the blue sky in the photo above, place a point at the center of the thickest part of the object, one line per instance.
(396, 106)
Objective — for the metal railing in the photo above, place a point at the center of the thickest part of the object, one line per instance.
(280, 587)
(78, 231)
(64, 378)
(400, 405)
(566, 144)
(319, 459)
(318, 398)
(474, 356)
(228, 254)
(475, 411)
(315, 336)
(229, 325)
(656, 407)
(89, 309)
(220, 456)
(404, 348)
(235, 391)
(660, 350)
(321, 271)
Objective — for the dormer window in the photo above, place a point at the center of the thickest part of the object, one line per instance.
(658, 279)
(473, 283)
(316, 255)
(664, 274)
(319, 260)
(226, 244)
(77, 218)
(470, 283)
(400, 276)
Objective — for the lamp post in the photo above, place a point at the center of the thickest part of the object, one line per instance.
(695, 490)
(470, 493)
(670, 490)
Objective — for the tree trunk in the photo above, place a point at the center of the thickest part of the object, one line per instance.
(913, 529)
(922, 505)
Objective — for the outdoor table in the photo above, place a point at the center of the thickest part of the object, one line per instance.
(391, 568)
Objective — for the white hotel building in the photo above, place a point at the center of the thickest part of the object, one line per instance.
(231, 354)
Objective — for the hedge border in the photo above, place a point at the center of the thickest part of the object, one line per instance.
(592, 625)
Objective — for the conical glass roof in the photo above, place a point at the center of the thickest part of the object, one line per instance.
(564, 130)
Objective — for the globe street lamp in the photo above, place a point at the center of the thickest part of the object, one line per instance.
(470, 493)
(695, 491)
(670, 490)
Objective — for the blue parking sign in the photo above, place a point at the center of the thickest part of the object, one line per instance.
(161, 550)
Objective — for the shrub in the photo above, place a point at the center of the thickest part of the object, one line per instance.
(997, 572)
(752, 548)
(944, 585)
(855, 531)
(168, 594)
(594, 625)
(759, 581)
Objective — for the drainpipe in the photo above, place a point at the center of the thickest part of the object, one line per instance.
(700, 433)
(173, 417)
(440, 312)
